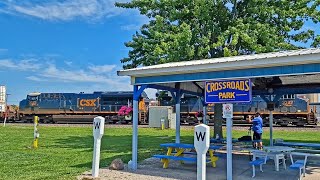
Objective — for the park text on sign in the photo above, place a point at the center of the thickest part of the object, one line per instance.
(228, 91)
(227, 110)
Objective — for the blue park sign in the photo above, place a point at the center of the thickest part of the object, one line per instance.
(228, 91)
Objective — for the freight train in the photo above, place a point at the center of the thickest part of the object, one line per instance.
(78, 107)
(81, 107)
(290, 109)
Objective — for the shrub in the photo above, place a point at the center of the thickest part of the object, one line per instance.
(199, 114)
(125, 110)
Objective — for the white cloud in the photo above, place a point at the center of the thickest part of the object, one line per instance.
(151, 93)
(34, 78)
(96, 77)
(130, 27)
(22, 65)
(69, 63)
(63, 10)
(90, 75)
(6, 63)
(136, 21)
(102, 69)
(71, 75)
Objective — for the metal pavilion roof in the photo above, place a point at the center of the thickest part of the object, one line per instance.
(293, 57)
(266, 70)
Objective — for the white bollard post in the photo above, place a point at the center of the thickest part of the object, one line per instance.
(4, 122)
(98, 131)
(201, 144)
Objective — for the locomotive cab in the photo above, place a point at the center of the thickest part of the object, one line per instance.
(33, 99)
(28, 107)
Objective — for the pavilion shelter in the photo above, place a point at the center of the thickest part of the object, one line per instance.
(272, 75)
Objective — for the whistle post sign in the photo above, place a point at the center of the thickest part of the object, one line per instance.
(98, 127)
(201, 144)
(98, 131)
(228, 91)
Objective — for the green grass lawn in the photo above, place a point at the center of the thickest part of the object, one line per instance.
(65, 152)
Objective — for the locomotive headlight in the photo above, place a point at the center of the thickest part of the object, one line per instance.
(270, 90)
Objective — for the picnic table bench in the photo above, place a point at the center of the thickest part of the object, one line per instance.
(176, 151)
(301, 164)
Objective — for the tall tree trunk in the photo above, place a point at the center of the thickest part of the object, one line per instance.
(218, 120)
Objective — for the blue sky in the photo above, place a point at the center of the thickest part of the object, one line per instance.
(63, 46)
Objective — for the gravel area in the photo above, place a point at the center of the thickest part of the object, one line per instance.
(151, 169)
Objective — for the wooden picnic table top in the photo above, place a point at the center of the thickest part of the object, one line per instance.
(312, 145)
(187, 146)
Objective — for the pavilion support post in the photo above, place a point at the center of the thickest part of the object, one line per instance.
(271, 128)
(178, 99)
(271, 124)
(204, 113)
(136, 94)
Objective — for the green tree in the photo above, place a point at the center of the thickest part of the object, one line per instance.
(183, 30)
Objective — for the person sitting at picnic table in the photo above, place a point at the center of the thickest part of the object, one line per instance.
(257, 124)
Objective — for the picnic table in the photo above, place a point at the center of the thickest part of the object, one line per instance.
(278, 149)
(276, 153)
(295, 144)
(176, 151)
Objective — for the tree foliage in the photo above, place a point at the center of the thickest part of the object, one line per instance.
(182, 30)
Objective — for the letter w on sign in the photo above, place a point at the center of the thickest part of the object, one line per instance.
(201, 136)
(96, 125)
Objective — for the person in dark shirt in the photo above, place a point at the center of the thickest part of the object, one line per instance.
(257, 124)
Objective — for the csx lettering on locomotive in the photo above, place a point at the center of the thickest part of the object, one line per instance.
(87, 102)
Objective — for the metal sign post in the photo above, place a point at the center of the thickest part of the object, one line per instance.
(201, 144)
(228, 91)
(98, 131)
(228, 114)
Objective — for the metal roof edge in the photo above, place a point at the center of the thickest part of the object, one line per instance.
(248, 61)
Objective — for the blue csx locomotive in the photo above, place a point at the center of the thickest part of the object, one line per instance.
(81, 107)
(290, 109)
(76, 107)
